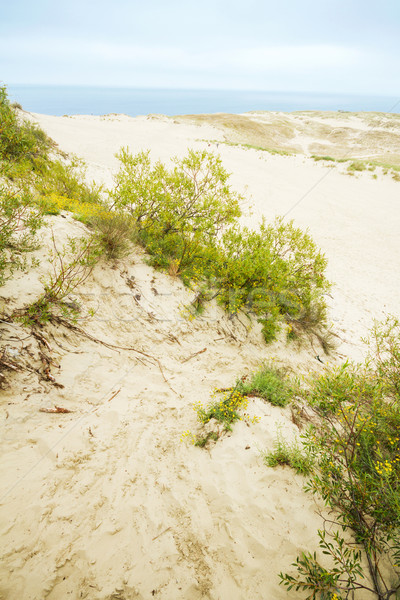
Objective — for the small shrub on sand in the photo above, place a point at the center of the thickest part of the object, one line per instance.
(357, 165)
(173, 267)
(292, 454)
(225, 410)
(70, 267)
(177, 211)
(356, 441)
(318, 158)
(115, 233)
(384, 344)
(275, 273)
(330, 391)
(20, 140)
(19, 222)
(268, 383)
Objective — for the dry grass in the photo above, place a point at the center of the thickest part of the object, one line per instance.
(173, 268)
(354, 136)
(249, 129)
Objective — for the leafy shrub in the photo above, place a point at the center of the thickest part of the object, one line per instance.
(19, 140)
(291, 454)
(70, 267)
(385, 353)
(187, 220)
(225, 410)
(338, 386)
(178, 212)
(19, 222)
(268, 383)
(274, 272)
(357, 443)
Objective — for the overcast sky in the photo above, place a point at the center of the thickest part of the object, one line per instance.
(343, 46)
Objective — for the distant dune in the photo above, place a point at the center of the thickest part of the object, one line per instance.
(374, 136)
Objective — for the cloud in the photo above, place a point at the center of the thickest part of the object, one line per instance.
(257, 58)
(314, 67)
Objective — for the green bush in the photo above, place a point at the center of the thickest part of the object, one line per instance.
(178, 212)
(268, 383)
(276, 272)
(115, 232)
(357, 165)
(357, 441)
(385, 354)
(24, 150)
(316, 157)
(70, 267)
(187, 220)
(337, 386)
(20, 140)
(226, 409)
(19, 222)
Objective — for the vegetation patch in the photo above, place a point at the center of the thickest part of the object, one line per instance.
(250, 147)
(226, 407)
(355, 437)
(268, 383)
(67, 179)
(19, 223)
(20, 140)
(292, 454)
(65, 277)
(187, 219)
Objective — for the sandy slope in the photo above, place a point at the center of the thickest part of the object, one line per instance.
(106, 502)
(355, 220)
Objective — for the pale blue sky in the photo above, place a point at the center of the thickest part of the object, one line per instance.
(343, 46)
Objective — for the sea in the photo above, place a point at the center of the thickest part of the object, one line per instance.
(87, 100)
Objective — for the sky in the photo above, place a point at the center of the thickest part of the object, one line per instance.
(327, 46)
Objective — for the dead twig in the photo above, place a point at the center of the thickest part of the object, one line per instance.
(9, 365)
(162, 533)
(193, 355)
(115, 394)
(55, 410)
(41, 339)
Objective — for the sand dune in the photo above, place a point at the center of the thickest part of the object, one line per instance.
(106, 502)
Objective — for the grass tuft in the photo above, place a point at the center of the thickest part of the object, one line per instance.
(268, 383)
(292, 454)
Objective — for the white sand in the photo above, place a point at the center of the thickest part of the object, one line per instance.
(106, 502)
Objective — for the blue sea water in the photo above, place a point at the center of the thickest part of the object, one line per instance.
(70, 100)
